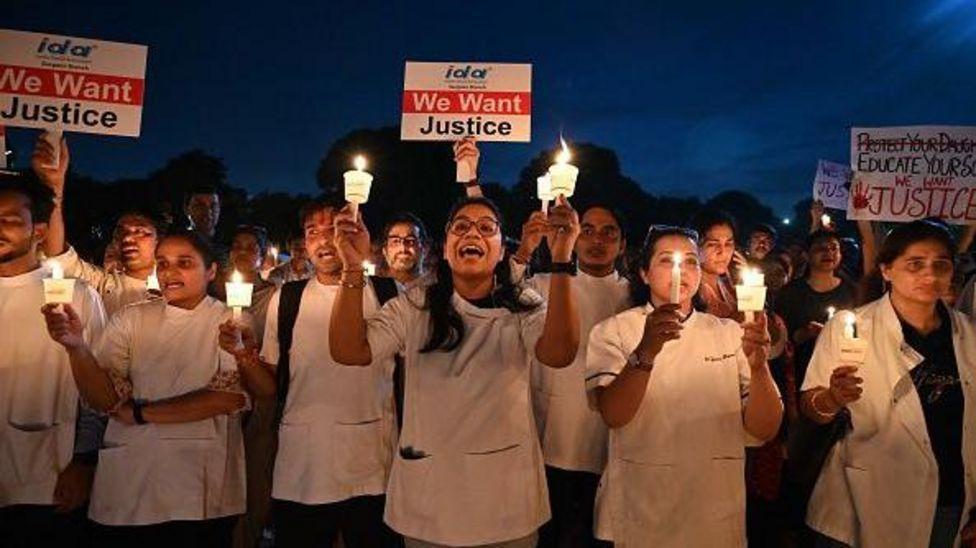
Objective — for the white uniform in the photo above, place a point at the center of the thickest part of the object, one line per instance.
(675, 475)
(572, 433)
(154, 473)
(880, 484)
(38, 396)
(116, 289)
(468, 410)
(338, 429)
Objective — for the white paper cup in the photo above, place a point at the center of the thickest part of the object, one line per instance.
(59, 291)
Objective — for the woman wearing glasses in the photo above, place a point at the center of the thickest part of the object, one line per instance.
(903, 476)
(682, 392)
(469, 469)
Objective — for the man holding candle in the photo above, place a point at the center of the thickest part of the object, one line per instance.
(136, 234)
(573, 436)
(45, 444)
(337, 432)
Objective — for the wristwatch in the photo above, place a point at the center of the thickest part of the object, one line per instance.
(563, 268)
(137, 411)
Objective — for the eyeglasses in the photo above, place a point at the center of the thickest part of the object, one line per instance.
(408, 241)
(486, 226)
(670, 230)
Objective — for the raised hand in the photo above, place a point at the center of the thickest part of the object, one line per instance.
(562, 230)
(42, 160)
(466, 156)
(351, 238)
(756, 341)
(64, 326)
(662, 325)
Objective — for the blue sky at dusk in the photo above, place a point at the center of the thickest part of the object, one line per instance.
(695, 97)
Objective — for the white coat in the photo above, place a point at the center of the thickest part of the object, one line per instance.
(879, 485)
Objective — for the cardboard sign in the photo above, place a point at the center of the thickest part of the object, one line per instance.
(71, 84)
(449, 101)
(830, 184)
(913, 172)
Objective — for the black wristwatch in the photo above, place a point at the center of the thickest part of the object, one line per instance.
(563, 268)
(137, 411)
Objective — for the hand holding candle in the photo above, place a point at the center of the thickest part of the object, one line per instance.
(238, 294)
(57, 288)
(853, 348)
(357, 184)
(751, 294)
(676, 260)
(563, 174)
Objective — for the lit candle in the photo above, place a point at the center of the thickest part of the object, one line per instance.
(563, 174)
(825, 220)
(358, 183)
(676, 277)
(544, 191)
(370, 268)
(238, 294)
(830, 312)
(152, 282)
(849, 322)
(53, 136)
(57, 288)
(274, 255)
(751, 294)
(853, 348)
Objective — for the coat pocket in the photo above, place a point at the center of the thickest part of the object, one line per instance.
(28, 456)
(360, 450)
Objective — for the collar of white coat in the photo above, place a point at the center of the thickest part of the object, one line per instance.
(649, 308)
(528, 296)
(26, 278)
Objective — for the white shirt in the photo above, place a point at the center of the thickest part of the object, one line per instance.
(573, 434)
(880, 483)
(38, 396)
(675, 474)
(116, 289)
(154, 473)
(338, 429)
(469, 411)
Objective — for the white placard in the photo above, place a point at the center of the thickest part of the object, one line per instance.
(830, 184)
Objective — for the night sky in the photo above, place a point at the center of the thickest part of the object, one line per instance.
(695, 97)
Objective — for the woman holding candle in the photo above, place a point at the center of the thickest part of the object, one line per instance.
(905, 370)
(681, 391)
(172, 471)
(469, 468)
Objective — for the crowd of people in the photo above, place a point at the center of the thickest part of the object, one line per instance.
(582, 387)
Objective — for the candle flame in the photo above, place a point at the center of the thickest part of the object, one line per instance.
(825, 219)
(359, 162)
(830, 312)
(677, 258)
(850, 319)
(236, 277)
(564, 156)
(752, 277)
(57, 272)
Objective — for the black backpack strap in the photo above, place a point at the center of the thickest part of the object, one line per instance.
(288, 302)
(386, 289)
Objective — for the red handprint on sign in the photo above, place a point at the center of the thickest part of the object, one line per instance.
(859, 195)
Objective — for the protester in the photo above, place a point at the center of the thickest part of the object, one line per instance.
(762, 241)
(337, 433)
(136, 234)
(720, 262)
(572, 434)
(680, 390)
(469, 470)
(405, 246)
(297, 267)
(903, 475)
(46, 445)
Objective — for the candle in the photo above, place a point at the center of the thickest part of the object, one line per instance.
(563, 174)
(152, 282)
(849, 322)
(370, 268)
(853, 349)
(57, 288)
(825, 220)
(53, 137)
(238, 294)
(358, 183)
(830, 312)
(274, 255)
(544, 191)
(676, 277)
(751, 294)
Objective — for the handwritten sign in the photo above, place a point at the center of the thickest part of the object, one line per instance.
(70, 83)
(913, 172)
(830, 184)
(449, 101)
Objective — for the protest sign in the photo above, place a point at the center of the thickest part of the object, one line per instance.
(71, 84)
(913, 172)
(449, 101)
(830, 184)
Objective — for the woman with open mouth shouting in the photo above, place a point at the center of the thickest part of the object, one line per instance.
(469, 470)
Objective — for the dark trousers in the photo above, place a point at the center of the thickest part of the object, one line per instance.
(571, 499)
(205, 533)
(30, 525)
(359, 519)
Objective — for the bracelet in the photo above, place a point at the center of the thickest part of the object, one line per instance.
(361, 284)
(644, 366)
(472, 183)
(816, 408)
(563, 268)
(137, 411)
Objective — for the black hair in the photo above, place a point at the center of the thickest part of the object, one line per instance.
(617, 215)
(313, 207)
(709, 218)
(446, 324)
(40, 197)
(821, 235)
(897, 241)
(200, 188)
(260, 235)
(405, 217)
(766, 228)
(145, 214)
(640, 292)
(197, 241)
